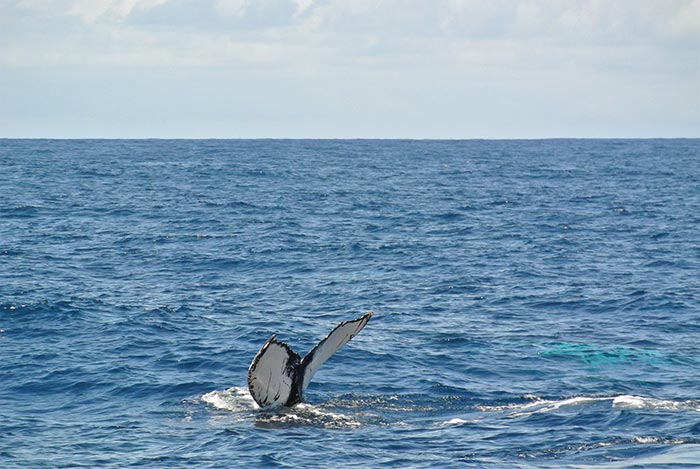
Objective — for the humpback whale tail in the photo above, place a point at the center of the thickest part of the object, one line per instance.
(278, 376)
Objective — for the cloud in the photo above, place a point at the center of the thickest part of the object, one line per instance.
(89, 11)
(684, 21)
(473, 38)
(416, 58)
(590, 21)
(303, 5)
(231, 7)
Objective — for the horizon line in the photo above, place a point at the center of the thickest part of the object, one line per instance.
(359, 138)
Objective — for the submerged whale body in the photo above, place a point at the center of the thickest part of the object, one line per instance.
(278, 376)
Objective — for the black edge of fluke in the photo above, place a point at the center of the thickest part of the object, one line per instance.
(365, 317)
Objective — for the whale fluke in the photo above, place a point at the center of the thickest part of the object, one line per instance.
(278, 376)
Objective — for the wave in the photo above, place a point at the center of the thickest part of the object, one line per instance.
(636, 402)
(357, 411)
(678, 455)
(676, 452)
(238, 401)
(626, 402)
(538, 405)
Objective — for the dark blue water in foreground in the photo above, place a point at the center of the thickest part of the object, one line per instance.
(537, 303)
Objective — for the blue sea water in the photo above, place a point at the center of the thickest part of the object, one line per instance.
(537, 303)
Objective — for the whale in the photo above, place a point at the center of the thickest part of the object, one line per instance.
(278, 376)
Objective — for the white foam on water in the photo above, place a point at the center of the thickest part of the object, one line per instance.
(637, 402)
(499, 408)
(646, 439)
(454, 421)
(543, 406)
(319, 415)
(538, 405)
(238, 401)
(651, 440)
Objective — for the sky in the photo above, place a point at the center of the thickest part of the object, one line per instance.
(349, 68)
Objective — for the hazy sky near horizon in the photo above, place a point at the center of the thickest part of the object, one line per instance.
(349, 68)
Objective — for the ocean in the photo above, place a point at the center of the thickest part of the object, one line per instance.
(536, 303)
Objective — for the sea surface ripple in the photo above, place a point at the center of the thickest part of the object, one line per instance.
(537, 303)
